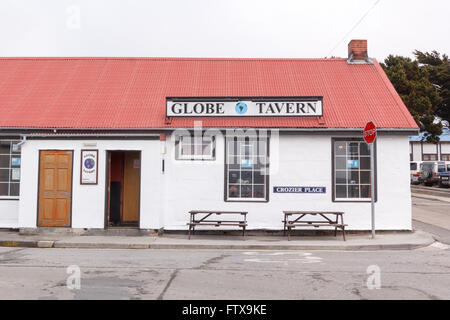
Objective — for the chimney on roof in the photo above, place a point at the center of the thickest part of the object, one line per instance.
(357, 52)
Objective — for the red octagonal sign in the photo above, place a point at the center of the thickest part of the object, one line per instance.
(370, 132)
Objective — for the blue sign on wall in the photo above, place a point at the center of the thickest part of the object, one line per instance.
(299, 189)
(353, 164)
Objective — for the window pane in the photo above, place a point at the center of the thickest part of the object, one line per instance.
(4, 161)
(15, 161)
(353, 177)
(258, 177)
(14, 189)
(353, 148)
(341, 191)
(341, 176)
(206, 148)
(233, 191)
(340, 148)
(341, 163)
(4, 175)
(246, 191)
(3, 189)
(365, 177)
(4, 147)
(364, 149)
(246, 177)
(258, 192)
(262, 147)
(15, 148)
(365, 163)
(353, 191)
(187, 149)
(233, 177)
(248, 169)
(365, 191)
(232, 147)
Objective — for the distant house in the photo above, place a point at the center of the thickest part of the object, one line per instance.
(421, 150)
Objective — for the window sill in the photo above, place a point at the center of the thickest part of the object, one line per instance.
(356, 200)
(9, 198)
(247, 200)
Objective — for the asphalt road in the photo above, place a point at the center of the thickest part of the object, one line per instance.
(207, 274)
(432, 216)
(211, 274)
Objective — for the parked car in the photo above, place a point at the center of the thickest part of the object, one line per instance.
(444, 174)
(414, 167)
(429, 172)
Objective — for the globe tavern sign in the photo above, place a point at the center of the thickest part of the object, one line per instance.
(244, 107)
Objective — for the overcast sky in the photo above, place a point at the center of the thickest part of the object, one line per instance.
(221, 28)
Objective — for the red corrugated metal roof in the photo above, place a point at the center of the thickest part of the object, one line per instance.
(130, 93)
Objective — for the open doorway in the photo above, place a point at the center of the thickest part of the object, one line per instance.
(123, 188)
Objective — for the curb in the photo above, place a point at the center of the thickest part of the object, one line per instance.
(87, 245)
(19, 244)
(369, 247)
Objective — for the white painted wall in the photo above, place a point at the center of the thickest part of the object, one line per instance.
(9, 213)
(305, 160)
(88, 201)
(166, 198)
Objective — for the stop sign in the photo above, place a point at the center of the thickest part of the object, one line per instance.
(370, 132)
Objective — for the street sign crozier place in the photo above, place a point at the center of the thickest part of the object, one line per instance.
(244, 107)
(370, 132)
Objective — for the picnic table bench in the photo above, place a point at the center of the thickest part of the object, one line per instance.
(202, 217)
(294, 219)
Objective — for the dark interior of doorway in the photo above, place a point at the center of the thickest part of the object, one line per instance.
(123, 178)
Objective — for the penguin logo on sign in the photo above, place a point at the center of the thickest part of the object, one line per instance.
(241, 108)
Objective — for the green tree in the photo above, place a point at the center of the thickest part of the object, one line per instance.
(420, 96)
(438, 69)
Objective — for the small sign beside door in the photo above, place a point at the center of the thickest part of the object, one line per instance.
(89, 167)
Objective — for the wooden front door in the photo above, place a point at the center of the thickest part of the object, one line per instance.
(131, 184)
(55, 188)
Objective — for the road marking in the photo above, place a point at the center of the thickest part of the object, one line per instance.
(440, 245)
(293, 257)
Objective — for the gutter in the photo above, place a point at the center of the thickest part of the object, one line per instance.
(23, 140)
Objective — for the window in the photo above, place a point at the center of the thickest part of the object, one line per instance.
(352, 172)
(193, 148)
(9, 168)
(445, 157)
(246, 176)
(413, 166)
(430, 157)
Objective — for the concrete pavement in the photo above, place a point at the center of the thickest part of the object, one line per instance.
(383, 241)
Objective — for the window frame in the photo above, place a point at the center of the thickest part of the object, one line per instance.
(428, 155)
(194, 157)
(11, 140)
(267, 175)
(446, 156)
(333, 172)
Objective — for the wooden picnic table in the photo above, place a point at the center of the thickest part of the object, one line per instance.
(294, 219)
(212, 218)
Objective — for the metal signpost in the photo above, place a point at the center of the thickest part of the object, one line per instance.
(370, 133)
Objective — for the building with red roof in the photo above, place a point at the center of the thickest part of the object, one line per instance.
(138, 142)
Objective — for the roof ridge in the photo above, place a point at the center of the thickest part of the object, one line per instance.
(175, 58)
